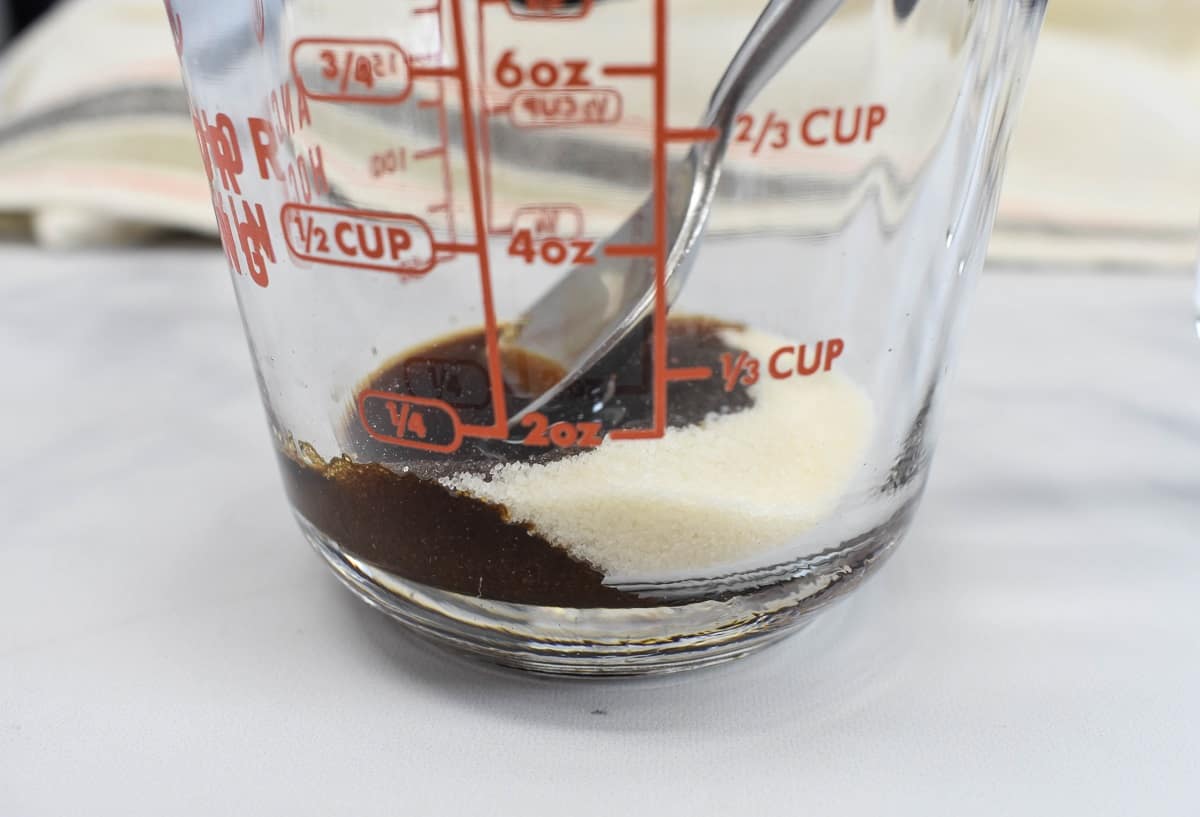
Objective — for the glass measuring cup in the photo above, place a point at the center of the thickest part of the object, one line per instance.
(396, 181)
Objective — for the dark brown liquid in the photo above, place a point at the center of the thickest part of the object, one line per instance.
(409, 525)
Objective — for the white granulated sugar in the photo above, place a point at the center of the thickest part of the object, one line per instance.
(715, 493)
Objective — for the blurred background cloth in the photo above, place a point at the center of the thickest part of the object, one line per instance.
(96, 145)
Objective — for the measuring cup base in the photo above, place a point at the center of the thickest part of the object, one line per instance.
(606, 642)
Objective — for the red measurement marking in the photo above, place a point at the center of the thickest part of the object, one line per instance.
(692, 373)
(432, 71)
(552, 251)
(635, 433)
(750, 133)
(843, 126)
(621, 70)
(412, 422)
(439, 102)
(387, 162)
(817, 128)
(546, 10)
(512, 73)
(387, 242)
(549, 221)
(499, 428)
(260, 21)
(375, 72)
(447, 183)
(660, 218)
(692, 134)
(798, 360)
(433, 37)
(486, 136)
(562, 434)
(738, 369)
(631, 250)
(558, 108)
(802, 360)
(176, 27)
(457, 248)
(661, 139)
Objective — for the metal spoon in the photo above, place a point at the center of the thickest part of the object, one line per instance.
(585, 315)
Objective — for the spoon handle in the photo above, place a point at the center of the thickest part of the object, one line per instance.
(780, 30)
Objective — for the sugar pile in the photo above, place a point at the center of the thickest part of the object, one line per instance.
(714, 493)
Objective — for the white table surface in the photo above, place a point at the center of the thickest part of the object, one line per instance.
(169, 645)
